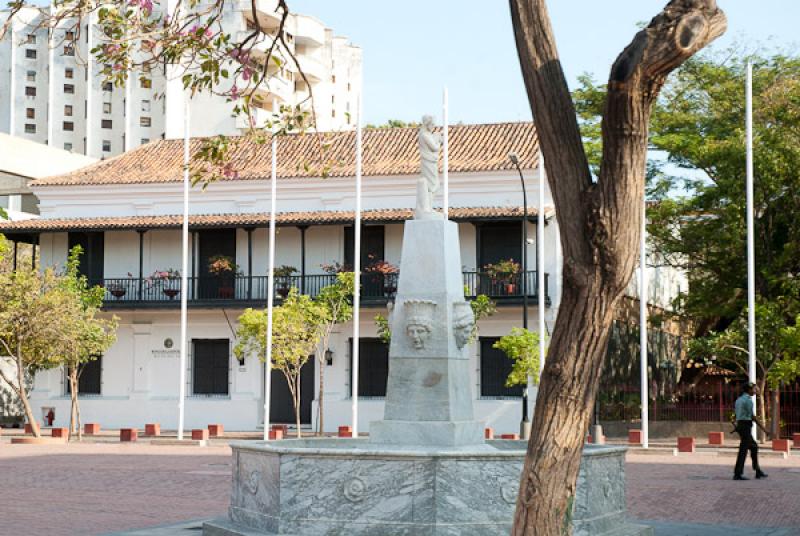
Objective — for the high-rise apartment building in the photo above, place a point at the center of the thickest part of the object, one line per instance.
(52, 91)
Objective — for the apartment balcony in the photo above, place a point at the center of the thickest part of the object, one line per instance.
(251, 291)
(309, 31)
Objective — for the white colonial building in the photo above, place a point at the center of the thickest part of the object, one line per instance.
(125, 212)
(52, 90)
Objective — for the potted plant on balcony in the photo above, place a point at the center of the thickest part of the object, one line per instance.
(283, 279)
(116, 289)
(505, 273)
(169, 280)
(385, 274)
(225, 269)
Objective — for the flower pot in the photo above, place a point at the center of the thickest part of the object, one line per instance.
(511, 288)
(225, 292)
(117, 292)
(171, 292)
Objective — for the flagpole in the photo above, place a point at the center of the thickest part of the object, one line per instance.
(184, 272)
(751, 254)
(270, 286)
(357, 275)
(540, 291)
(445, 155)
(644, 390)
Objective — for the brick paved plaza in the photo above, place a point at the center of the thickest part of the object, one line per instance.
(97, 488)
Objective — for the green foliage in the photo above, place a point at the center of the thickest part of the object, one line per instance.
(384, 331)
(522, 346)
(698, 223)
(334, 300)
(296, 332)
(3, 214)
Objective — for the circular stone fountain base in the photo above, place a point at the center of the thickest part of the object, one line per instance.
(351, 487)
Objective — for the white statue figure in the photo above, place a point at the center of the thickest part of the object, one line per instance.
(419, 321)
(463, 323)
(430, 143)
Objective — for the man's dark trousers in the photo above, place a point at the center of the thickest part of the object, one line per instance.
(745, 431)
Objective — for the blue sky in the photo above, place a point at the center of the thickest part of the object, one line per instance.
(414, 47)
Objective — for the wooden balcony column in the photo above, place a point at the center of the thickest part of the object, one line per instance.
(303, 229)
(141, 261)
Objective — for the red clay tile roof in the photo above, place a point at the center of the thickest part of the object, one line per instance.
(387, 151)
(247, 220)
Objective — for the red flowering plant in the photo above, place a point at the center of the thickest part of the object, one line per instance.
(222, 265)
(383, 272)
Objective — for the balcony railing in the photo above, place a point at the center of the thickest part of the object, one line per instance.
(252, 290)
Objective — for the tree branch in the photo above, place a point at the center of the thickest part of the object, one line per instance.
(556, 123)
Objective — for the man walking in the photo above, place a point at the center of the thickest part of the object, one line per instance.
(744, 427)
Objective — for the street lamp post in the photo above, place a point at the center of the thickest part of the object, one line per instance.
(525, 425)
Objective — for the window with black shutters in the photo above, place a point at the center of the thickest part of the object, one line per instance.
(89, 379)
(211, 366)
(373, 244)
(373, 367)
(499, 241)
(495, 368)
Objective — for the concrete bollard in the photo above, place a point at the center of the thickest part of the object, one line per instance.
(276, 435)
(152, 429)
(686, 444)
(716, 438)
(128, 435)
(488, 433)
(781, 445)
(345, 431)
(509, 436)
(634, 437)
(215, 430)
(91, 428)
(200, 434)
(59, 432)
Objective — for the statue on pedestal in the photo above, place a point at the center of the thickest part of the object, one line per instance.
(430, 143)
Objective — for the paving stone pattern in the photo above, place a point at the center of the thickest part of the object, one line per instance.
(100, 488)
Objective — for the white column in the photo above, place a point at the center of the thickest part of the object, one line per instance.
(270, 286)
(184, 275)
(446, 156)
(644, 391)
(357, 275)
(540, 223)
(751, 252)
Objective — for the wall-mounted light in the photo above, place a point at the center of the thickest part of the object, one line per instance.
(329, 357)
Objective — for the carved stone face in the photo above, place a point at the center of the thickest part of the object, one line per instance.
(418, 333)
(462, 334)
(463, 323)
(427, 121)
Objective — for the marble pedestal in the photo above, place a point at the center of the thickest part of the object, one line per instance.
(342, 487)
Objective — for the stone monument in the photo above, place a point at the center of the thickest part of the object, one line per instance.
(426, 469)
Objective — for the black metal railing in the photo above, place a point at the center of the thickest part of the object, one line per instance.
(375, 288)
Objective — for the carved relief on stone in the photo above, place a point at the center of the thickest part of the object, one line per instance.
(463, 323)
(251, 481)
(509, 492)
(355, 490)
(419, 321)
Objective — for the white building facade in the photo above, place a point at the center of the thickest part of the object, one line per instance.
(127, 218)
(52, 91)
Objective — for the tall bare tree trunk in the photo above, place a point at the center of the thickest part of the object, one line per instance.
(296, 396)
(23, 395)
(73, 391)
(599, 223)
(775, 410)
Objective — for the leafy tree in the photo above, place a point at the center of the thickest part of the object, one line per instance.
(522, 346)
(598, 211)
(37, 321)
(335, 307)
(91, 336)
(698, 224)
(296, 335)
